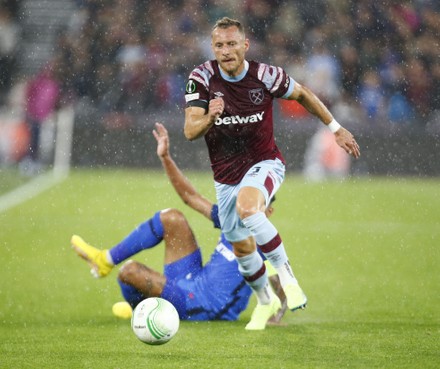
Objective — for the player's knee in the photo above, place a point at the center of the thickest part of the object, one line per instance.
(128, 271)
(172, 217)
(249, 202)
(245, 209)
(244, 248)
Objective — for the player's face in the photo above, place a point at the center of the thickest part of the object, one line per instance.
(229, 47)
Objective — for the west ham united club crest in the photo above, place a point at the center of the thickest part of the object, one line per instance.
(256, 96)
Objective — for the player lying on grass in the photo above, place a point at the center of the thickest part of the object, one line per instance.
(215, 291)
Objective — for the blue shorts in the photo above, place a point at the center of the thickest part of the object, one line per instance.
(187, 267)
(215, 291)
(267, 176)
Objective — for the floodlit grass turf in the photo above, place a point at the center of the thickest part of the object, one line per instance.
(365, 251)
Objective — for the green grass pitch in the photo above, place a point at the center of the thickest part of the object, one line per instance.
(366, 251)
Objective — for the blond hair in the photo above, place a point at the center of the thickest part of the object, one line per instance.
(226, 22)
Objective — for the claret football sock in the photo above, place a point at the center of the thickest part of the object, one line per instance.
(253, 269)
(145, 236)
(270, 243)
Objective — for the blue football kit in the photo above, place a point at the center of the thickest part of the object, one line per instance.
(214, 291)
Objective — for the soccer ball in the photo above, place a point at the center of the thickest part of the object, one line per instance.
(155, 321)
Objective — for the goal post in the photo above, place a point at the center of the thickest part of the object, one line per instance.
(63, 142)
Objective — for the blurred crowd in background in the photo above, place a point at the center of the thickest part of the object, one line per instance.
(369, 61)
(379, 59)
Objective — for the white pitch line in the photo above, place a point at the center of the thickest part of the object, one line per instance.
(30, 190)
(60, 171)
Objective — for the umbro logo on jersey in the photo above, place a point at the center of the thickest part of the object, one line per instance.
(256, 95)
(218, 94)
(236, 119)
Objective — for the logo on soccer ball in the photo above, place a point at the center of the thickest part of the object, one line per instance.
(256, 96)
(190, 86)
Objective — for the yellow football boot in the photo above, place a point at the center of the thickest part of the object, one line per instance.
(95, 257)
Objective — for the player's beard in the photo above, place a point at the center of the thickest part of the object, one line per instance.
(232, 68)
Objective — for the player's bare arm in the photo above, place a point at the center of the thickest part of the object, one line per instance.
(181, 184)
(316, 107)
(198, 121)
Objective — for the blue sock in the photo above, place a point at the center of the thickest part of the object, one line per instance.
(131, 294)
(145, 236)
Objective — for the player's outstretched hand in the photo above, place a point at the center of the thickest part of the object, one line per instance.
(346, 140)
(163, 141)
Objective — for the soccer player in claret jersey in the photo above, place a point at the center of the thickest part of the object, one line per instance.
(214, 291)
(229, 101)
